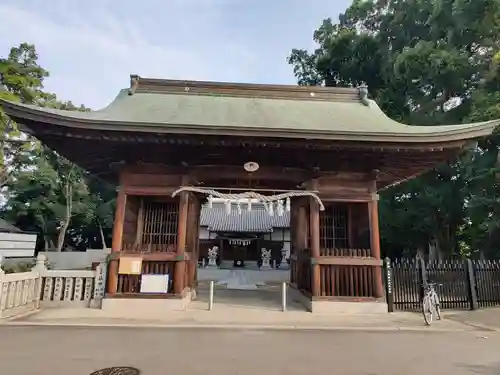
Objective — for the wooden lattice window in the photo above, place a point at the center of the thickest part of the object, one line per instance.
(159, 223)
(333, 227)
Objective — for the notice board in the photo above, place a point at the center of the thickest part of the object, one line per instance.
(130, 266)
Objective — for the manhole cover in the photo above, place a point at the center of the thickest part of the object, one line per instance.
(117, 371)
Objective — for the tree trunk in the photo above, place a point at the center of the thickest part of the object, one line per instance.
(61, 235)
(101, 232)
(65, 223)
(47, 243)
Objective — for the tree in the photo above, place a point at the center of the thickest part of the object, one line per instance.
(44, 191)
(21, 79)
(426, 62)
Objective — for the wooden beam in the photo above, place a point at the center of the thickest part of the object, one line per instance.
(349, 261)
(149, 190)
(152, 256)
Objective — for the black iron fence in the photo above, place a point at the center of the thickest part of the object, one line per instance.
(462, 284)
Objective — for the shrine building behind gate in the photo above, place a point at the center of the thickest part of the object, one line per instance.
(240, 237)
(329, 150)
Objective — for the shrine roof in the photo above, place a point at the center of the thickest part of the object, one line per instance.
(257, 220)
(194, 107)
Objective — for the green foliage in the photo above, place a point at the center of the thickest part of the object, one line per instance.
(19, 267)
(45, 192)
(426, 62)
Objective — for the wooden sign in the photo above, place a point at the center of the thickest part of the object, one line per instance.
(130, 266)
(239, 242)
(156, 284)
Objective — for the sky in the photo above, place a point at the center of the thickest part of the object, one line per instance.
(90, 47)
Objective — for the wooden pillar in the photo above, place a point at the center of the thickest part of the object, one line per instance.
(193, 226)
(294, 213)
(116, 244)
(180, 265)
(350, 228)
(302, 226)
(378, 288)
(315, 246)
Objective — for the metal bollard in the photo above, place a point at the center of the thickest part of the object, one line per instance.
(210, 295)
(283, 296)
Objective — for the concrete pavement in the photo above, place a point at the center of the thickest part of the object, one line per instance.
(488, 318)
(238, 317)
(79, 351)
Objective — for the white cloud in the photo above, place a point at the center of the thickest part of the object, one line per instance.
(91, 52)
(90, 47)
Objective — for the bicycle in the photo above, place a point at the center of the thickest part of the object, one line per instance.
(430, 303)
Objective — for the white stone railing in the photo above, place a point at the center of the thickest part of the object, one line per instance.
(67, 287)
(19, 293)
(24, 292)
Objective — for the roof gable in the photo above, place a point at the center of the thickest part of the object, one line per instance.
(6, 227)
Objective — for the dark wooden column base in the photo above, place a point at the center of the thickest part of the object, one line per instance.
(378, 287)
(315, 247)
(180, 267)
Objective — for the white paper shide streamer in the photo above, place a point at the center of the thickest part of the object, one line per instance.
(278, 203)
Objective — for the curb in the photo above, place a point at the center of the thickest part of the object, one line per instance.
(239, 327)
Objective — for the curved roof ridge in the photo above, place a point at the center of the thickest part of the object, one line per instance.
(140, 85)
(246, 110)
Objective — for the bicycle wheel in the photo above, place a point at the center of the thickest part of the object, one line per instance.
(427, 310)
(437, 308)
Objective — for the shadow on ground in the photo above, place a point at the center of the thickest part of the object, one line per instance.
(265, 298)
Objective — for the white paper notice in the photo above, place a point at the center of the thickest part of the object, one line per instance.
(135, 267)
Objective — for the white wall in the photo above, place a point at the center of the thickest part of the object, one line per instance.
(17, 245)
(282, 234)
(75, 259)
(205, 234)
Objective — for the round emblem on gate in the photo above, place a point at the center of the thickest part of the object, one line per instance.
(251, 166)
(120, 370)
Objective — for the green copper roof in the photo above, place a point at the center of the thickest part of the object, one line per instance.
(189, 107)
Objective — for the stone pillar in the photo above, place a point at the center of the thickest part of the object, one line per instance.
(378, 287)
(116, 245)
(180, 265)
(315, 246)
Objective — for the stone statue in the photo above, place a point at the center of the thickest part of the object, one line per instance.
(212, 256)
(266, 258)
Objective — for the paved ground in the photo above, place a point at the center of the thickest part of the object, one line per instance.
(237, 309)
(238, 317)
(79, 351)
(486, 317)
